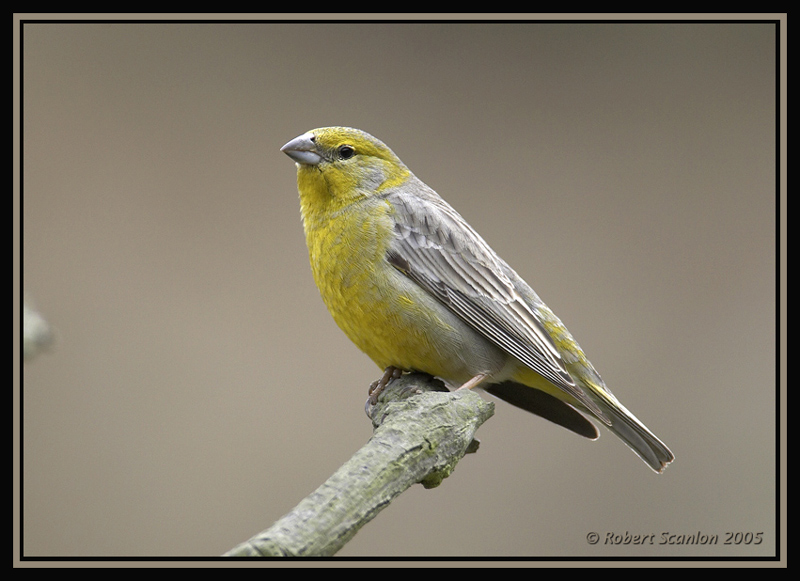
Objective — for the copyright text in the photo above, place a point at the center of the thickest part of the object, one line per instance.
(672, 538)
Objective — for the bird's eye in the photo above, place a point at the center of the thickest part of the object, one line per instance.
(346, 151)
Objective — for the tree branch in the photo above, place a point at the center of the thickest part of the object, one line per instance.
(421, 432)
(36, 333)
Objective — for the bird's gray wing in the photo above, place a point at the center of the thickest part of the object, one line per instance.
(436, 248)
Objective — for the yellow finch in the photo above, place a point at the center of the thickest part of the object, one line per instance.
(417, 289)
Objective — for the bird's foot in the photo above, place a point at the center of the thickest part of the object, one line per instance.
(376, 387)
(474, 381)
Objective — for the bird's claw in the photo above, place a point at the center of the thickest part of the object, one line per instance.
(376, 387)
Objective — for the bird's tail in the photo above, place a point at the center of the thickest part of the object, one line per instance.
(634, 433)
(613, 414)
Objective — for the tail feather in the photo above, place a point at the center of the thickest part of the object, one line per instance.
(544, 405)
(636, 435)
(616, 418)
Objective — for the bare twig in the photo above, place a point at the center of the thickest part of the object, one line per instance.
(421, 432)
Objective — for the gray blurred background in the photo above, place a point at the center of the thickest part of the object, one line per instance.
(198, 389)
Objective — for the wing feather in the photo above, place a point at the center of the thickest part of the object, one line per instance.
(438, 250)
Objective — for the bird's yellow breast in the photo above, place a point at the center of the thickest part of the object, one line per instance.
(379, 310)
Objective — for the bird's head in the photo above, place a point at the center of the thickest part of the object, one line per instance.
(341, 164)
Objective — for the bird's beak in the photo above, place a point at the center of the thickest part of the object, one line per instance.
(303, 150)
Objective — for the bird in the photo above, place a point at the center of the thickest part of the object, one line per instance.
(417, 289)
